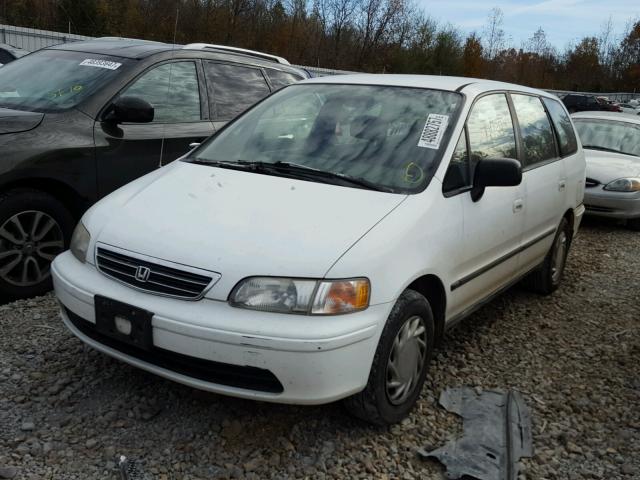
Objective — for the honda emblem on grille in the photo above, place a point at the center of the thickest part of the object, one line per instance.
(142, 274)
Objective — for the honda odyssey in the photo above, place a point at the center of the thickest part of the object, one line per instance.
(318, 247)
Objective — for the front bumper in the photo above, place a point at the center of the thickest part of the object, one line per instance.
(315, 359)
(603, 203)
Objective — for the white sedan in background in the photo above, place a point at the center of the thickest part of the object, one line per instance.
(630, 108)
(611, 143)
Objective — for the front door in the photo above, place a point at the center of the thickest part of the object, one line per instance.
(127, 151)
(492, 224)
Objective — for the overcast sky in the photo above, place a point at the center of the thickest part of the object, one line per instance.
(564, 21)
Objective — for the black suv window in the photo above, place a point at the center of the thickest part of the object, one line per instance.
(172, 89)
(281, 79)
(564, 130)
(535, 128)
(234, 88)
(490, 129)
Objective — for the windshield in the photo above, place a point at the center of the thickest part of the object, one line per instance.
(608, 135)
(391, 137)
(54, 80)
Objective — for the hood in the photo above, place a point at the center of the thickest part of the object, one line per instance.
(238, 223)
(14, 121)
(608, 166)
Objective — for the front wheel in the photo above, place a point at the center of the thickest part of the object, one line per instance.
(34, 228)
(400, 363)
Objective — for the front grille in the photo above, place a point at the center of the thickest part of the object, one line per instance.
(595, 208)
(250, 378)
(590, 182)
(160, 279)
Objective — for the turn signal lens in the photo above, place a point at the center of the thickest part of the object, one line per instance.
(341, 296)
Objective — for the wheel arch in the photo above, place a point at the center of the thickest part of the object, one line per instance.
(432, 288)
(75, 203)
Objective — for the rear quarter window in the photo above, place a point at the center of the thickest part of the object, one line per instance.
(281, 79)
(564, 129)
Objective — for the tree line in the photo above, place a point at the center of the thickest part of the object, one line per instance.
(392, 36)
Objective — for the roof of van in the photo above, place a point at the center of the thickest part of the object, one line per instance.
(436, 82)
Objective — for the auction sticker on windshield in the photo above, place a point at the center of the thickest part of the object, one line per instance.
(93, 62)
(433, 131)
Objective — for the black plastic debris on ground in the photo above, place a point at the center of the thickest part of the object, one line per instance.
(496, 434)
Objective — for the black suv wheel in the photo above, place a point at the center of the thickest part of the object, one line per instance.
(34, 228)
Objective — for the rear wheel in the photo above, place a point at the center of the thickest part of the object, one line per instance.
(547, 278)
(34, 228)
(400, 363)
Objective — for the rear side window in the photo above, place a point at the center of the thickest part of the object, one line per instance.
(234, 88)
(172, 90)
(490, 129)
(535, 128)
(280, 79)
(564, 130)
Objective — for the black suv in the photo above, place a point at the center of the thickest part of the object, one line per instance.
(79, 120)
(583, 103)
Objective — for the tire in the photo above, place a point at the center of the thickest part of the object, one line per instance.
(380, 403)
(34, 227)
(546, 279)
(634, 224)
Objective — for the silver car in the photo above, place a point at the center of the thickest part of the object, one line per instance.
(611, 144)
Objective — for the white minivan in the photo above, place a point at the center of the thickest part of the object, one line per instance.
(318, 247)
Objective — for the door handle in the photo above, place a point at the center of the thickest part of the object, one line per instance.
(518, 205)
(562, 184)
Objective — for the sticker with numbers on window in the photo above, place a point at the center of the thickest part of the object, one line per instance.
(94, 62)
(433, 131)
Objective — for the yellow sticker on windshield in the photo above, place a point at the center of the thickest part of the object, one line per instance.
(413, 173)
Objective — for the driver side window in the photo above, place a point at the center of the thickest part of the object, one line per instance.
(172, 90)
(490, 135)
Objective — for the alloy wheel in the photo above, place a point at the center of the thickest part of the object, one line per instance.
(406, 360)
(29, 241)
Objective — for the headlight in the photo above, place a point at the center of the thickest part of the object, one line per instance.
(624, 185)
(290, 295)
(80, 242)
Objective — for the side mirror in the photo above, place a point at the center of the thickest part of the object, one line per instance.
(130, 110)
(495, 172)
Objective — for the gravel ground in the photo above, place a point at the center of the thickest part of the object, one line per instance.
(66, 411)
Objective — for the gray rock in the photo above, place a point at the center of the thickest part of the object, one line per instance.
(27, 426)
(8, 472)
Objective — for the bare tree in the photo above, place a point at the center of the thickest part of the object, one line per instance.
(494, 36)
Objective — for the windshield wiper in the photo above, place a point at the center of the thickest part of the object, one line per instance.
(291, 168)
(221, 163)
(296, 168)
